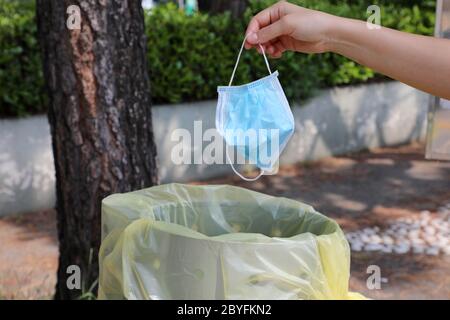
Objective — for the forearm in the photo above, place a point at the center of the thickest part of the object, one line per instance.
(419, 61)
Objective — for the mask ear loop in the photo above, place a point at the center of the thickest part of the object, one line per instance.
(229, 84)
(239, 57)
(240, 175)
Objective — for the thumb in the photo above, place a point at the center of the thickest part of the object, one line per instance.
(268, 33)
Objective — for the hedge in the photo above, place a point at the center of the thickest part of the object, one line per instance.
(190, 55)
(21, 79)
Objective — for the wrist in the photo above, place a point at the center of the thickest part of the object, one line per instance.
(337, 35)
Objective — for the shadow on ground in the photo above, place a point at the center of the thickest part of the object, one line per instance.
(367, 186)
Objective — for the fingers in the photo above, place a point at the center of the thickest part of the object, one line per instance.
(276, 55)
(269, 33)
(279, 48)
(275, 49)
(263, 19)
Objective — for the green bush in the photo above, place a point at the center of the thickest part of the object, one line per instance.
(21, 80)
(190, 55)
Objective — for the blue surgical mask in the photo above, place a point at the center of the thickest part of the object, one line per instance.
(255, 119)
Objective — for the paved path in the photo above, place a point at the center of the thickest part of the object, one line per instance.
(358, 190)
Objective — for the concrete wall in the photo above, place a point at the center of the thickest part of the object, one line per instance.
(338, 120)
(27, 174)
(353, 118)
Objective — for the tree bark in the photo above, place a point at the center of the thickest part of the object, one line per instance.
(236, 7)
(100, 118)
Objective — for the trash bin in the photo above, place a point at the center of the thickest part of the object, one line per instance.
(180, 241)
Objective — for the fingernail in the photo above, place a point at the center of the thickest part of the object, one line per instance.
(252, 38)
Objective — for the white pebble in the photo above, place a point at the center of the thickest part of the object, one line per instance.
(430, 230)
(426, 233)
(415, 225)
(413, 234)
(388, 239)
(403, 241)
(373, 247)
(369, 231)
(429, 239)
(401, 249)
(375, 239)
(418, 249)
(417, 241)
(432, 251)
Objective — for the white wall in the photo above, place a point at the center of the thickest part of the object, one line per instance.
(27, 178)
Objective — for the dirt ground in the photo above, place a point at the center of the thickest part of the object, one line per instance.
(357, 190)
(28, 255)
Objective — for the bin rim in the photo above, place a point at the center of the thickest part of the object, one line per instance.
(260, 238)
(191, 233)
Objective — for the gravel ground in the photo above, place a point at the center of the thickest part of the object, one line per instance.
(423, 234)
(392, 204)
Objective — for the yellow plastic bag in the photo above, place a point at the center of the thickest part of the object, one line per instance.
(219, 242)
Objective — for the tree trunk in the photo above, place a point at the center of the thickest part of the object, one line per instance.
(100, 118)
(236, 7)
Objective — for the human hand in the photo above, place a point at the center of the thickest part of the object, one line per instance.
(419, 61)
(285, 26)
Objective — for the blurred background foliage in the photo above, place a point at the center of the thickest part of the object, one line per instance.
(191, 54)
(21, 77)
